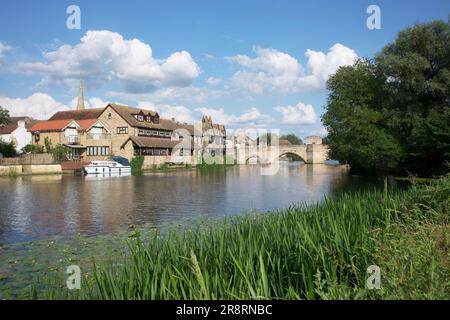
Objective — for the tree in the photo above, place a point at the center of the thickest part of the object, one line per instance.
(266, 138)
(417, 66)
(292, 138)
(393, 113)
(48, 145)
(59, 152)
(354, 120)
(4, 116)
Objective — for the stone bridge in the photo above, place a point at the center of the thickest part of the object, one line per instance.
(308, 153)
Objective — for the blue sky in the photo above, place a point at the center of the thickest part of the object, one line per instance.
(246, 63)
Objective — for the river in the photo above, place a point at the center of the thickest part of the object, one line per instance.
(40, 207)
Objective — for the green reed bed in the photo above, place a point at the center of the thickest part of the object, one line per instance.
(303, 252)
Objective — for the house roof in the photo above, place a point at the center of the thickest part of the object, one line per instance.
(50, 125)
(78, 114)
(147, 142)
(86, 124)
(127, 113)
(13, 123)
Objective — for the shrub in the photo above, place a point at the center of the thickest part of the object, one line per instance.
(7, 149)
(33, 148)
(136, 165)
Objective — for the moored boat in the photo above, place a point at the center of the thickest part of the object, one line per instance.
(112, 166)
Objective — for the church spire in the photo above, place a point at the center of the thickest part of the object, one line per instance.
(80, 104)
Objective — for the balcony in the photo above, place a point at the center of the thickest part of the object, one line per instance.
(73, 140)
(98, 136)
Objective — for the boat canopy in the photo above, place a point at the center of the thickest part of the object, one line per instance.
(123, 161)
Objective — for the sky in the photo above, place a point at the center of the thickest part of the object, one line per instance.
(247, 64)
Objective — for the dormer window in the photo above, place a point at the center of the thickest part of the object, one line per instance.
(156, 119)
(140, 117)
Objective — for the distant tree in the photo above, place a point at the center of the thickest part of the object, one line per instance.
(4, 116)
(265, 138)
(292, 138)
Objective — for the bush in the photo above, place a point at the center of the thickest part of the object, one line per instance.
(136, 165)
(7, 149)
(59, 152)
(33, 148)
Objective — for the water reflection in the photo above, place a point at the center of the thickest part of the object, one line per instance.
(37, 207)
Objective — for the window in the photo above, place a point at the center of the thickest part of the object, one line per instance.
(148, 119)
(167, 133)
(161, 133)
(98, 151)
(109, 116)
(122, 130)
(156, 120)
(140, 117)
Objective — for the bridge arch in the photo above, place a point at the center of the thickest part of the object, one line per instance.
(253, 159)
(294, 155)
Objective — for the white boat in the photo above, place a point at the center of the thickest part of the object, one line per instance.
(114, 166)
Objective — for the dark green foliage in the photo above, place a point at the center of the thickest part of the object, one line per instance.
(7, 149)
(33, 148)
(4, 116)
(136, 165)
(393, 113)
(59, 152)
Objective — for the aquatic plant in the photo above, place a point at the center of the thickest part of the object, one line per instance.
(303, 252)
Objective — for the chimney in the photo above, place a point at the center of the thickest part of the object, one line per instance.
(80, 104)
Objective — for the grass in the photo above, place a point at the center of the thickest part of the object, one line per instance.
(303, 252)
(12, 173)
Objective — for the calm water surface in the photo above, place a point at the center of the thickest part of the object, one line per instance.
(39, 207)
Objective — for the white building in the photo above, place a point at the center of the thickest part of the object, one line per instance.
(17, 131)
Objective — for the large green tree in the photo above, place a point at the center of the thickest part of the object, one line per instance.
(417, 69)
(355, 121)
(393, 113)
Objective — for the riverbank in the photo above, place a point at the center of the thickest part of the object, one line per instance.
(305, 252)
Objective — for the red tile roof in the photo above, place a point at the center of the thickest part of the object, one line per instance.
(86, 124)
(50, 125)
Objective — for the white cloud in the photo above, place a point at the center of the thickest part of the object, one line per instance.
(3, 49)
(42, 106)
(177, 95)
(298, 114)
(273, 71)
(38, 105)
(213, 81)
(252, 117)
(105, 55)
